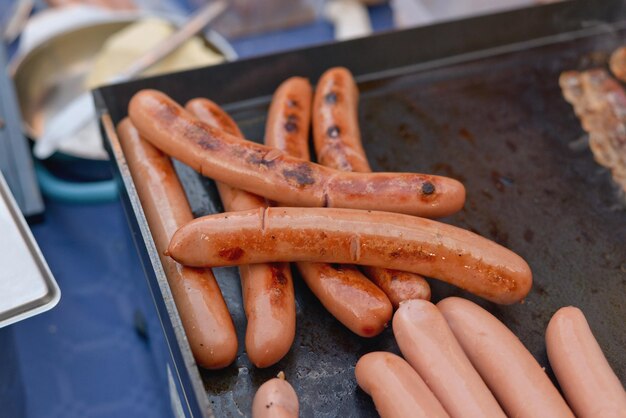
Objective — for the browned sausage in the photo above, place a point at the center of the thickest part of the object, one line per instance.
(289, 118)
(429, 346)
(338, 145)
(202, 309)
(336, 134)
(516, 379)
(275, 399)
(267, 289)
(397, 390)
(586, 378)
(398, 285)
(343, 290)
(381, 239)
(270, 173)
(355, 301)
(618, 63)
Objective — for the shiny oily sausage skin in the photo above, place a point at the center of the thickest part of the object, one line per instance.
(398, 285)
(338, 145)
(381, 239)
(336, 133)
(289, 117)
(267, 288)
(618, 63)
(397, 390)
(352, 299)
(428, 344)
(203, 312)
(270, 173)
(518, 382)
(275, 399)
(589, 384)
(343, 290)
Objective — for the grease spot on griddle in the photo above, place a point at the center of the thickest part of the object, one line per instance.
(529, 235)
(446, 169)
(501, 182)
(405, 133)
(498, 235)
(486, 194)
(510, 145)
(540, 289)
(466, 135)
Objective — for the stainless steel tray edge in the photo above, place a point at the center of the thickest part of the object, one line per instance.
(172, 326)
(53, 294)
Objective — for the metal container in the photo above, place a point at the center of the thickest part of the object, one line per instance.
(54, 72)
(26, 283)
(27, 288)
(476, 99)
(50, 76)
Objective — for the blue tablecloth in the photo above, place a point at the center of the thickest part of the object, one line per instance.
(86, 358)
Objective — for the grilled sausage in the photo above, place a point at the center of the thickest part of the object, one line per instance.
(198, 298)
(267, 288)
(355, 301)
(275, 399)
(289, 118)
(511, 372)
(381, 239)
(617, 63)
(267, 172)
(399, 286)
(589, 384)
(397, 390)
(343, 290)
(429, 346)
(336, 134)
(338, 145)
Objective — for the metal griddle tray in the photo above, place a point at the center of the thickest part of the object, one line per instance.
(475, 99)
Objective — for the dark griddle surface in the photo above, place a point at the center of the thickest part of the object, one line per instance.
(498, 124)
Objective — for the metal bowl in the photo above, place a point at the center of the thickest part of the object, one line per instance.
(53, 73)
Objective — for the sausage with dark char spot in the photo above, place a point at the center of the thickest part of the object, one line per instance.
(296, 182)
(336, 107)
(267, 288)
(343, 290)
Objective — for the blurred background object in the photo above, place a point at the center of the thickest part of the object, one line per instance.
(254, 16)
(15, 160)
(408, 13)
(350, 18)
(109, 4)
(13, 23)
(66, 51)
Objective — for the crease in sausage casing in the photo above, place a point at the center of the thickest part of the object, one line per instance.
(383, 239)
(270, 173)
